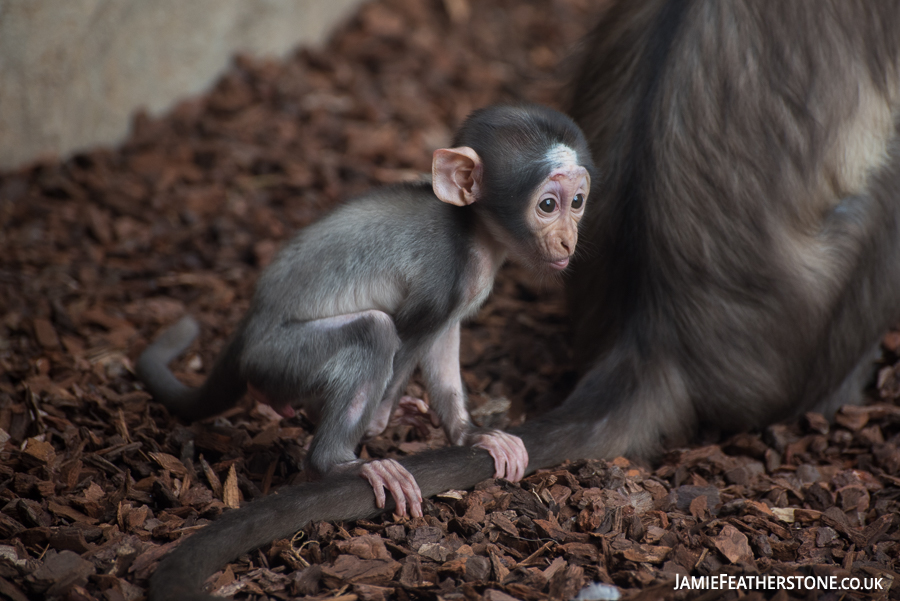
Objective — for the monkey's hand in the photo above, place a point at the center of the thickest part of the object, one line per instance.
(388, 474)
(508, 451)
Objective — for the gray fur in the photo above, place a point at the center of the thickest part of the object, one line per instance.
(744, 240)
(152, 363)
(350, 305)
(357, 300)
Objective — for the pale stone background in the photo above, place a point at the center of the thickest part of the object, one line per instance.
(73, 72)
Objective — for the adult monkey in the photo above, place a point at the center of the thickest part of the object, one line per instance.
(746, 223)
(748, 241)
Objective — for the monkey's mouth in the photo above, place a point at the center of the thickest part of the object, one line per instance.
(560, 264)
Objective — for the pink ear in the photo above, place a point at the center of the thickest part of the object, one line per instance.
(456, 175)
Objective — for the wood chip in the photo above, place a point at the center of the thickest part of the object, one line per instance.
(231, 496)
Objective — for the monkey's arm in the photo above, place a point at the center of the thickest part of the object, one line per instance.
(440, 367)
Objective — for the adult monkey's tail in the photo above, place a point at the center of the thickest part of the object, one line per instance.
(581, 427)
(343, 497)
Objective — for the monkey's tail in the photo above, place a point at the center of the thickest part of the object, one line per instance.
(579, 428)
(221, 390)
(341, 497)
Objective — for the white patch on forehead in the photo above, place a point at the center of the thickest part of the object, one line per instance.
(561, 155)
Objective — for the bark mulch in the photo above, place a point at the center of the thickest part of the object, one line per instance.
(100, 251)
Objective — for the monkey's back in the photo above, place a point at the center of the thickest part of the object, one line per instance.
(384, 250)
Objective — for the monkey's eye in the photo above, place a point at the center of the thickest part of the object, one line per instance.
(578, 201)
(547, 205)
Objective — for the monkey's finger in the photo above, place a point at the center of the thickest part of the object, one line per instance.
(518, 456)
(494, 445)
(509, 457)
(484, 442)
(405, 489)
(411, 410)
(371, 472)
(509, 453)
(411, 404)
(387, 473)
(411, 490)
(416, 422)
(285, 410)
(521, 458)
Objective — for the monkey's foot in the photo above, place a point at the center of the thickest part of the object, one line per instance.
(389, 474)
(508, 451)
(410, 412)
(416, 413)
(284, 410)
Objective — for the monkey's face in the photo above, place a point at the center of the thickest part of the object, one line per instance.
(553, 213)
(530, 201)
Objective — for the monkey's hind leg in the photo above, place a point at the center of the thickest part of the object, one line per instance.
(344, 362)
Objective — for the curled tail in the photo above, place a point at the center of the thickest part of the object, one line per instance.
(221, 390)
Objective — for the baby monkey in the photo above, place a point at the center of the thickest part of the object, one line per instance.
(357, 300)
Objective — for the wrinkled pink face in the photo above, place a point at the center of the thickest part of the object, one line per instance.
(551, 215)
(558, 205)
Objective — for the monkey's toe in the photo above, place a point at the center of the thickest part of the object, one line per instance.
(389, 474)
(416, 413)
(285, 410)
(411, 405)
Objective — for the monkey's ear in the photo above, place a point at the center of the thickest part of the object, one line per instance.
(456, 175)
